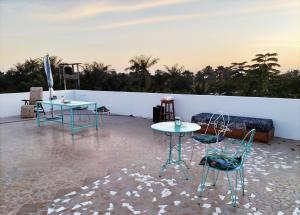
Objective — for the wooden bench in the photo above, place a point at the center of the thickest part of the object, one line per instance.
(239, 126)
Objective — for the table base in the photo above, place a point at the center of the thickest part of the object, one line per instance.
(60, 118)
(181, 163)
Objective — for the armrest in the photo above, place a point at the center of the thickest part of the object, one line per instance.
(26, 101)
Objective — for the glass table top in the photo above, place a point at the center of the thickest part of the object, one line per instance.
(70, 103)
(170, 127)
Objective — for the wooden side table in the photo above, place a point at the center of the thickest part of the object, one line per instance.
(167, 113)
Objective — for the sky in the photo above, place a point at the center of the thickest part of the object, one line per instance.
(193, 33)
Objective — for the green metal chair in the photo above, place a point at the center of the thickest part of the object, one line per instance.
(231, 158)
(219, 123)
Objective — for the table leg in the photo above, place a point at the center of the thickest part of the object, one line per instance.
(181, 163)
(97, 116)
(38, 115)
(72, 120)
(62, 115)
(179, 149)
(180, 152)
(170, 158)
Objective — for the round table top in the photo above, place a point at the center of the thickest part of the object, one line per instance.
(170, 127)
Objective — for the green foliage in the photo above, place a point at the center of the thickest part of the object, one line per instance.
(261, 78)
(140, 76)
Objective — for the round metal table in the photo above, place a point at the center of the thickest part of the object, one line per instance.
(171, 130)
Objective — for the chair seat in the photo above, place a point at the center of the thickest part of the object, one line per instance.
(221, 162)
(27, 111)
(103, 109)
(208, 139)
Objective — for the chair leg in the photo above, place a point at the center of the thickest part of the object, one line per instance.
(233, 191)
(43, 109)
(38, 106)
(216, 177)
(201, 186)
(192, 151)
(242, 179)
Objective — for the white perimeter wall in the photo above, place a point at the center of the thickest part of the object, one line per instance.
(285, 113)
(10, 103)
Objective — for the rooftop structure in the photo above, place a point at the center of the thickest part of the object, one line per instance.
(115, 170)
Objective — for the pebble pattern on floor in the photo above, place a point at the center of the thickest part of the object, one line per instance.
(132, 190)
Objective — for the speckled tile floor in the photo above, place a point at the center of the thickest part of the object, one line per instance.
(115, 171)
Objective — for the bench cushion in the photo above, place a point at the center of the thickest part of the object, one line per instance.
(238, 122)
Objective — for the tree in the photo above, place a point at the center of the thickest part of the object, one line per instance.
(28, 74)
(224, 84)
(286, 85)
(238, 73)
(262, 78)
(139, 67)
(95, 76)
(262, 72)
(187, 81)
(204, 79)
(174, 81)
(199, 84)
(159, 81)
(267, 61)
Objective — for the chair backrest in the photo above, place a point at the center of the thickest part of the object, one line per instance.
(245, 146)
(219, 122)
(36, 93)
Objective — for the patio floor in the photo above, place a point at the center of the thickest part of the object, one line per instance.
(115, 171)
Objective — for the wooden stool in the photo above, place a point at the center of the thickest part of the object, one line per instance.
(167, 112)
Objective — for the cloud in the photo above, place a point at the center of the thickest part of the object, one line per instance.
(159, 19)
(98, 8)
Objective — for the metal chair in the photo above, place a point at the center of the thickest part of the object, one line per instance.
(218, 124)
(228, 159)
(103, 110)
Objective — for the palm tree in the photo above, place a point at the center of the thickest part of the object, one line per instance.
(99, 67)
(174, 72)
(159, 81)
(140, 75)
(239, 69)
(204, 79)
(95, 76)
(141, 64)
(224, 83)
(262, 71)
(268, 61)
